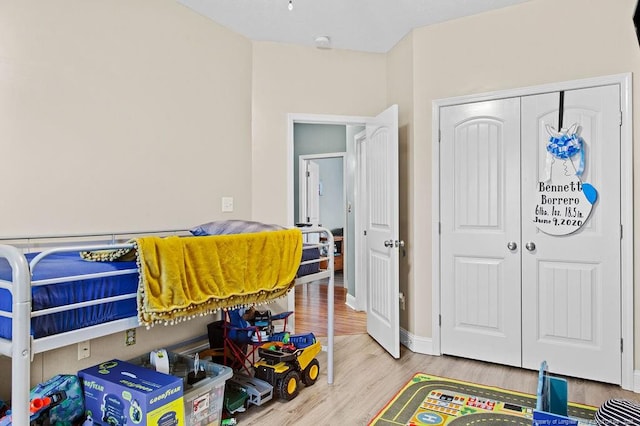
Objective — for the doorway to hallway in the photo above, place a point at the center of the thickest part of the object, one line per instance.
(376, 264)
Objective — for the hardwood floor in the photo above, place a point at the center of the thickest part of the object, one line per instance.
(311, 310)
(366, 377)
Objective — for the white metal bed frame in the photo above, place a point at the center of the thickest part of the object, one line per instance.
(22, 347)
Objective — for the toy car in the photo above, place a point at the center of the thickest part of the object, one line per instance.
(285, 364)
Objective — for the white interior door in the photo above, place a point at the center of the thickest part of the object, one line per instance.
(480, 231)
(310, 208)
(571, 283)
(382, 228)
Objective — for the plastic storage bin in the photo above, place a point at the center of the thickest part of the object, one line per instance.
(203, 399)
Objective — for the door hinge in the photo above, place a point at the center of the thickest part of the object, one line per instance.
(439, 136)
(439, 228)
(439, 320)
(621, 345)
(620, 121)
(621, 231)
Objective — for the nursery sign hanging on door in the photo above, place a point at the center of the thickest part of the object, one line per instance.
(564, 202)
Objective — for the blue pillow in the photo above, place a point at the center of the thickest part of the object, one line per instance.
(226, 227)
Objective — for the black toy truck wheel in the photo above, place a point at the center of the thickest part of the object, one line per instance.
(288, 386)
(311, 373)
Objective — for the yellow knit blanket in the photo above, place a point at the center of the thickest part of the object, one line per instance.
(184, 277)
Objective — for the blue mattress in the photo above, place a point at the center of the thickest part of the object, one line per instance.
(51, 295)
(309, 252)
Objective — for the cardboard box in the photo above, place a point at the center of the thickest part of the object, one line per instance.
(118, 393)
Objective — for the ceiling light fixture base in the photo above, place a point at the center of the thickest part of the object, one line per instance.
(323, 42)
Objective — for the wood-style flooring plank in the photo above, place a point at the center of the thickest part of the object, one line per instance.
(366, 377)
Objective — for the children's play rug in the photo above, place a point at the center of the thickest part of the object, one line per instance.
(431, 400)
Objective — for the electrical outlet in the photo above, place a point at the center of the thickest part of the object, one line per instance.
(130, 337)
(84, 350)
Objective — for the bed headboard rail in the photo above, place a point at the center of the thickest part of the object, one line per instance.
(37, 243)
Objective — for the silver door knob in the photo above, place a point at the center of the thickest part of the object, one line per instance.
(530, 246)
(511, 245)
(388, 243)
(399, 243)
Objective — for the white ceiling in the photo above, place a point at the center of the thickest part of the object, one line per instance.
(362, 25)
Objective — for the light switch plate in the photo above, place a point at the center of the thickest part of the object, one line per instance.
(227, 204)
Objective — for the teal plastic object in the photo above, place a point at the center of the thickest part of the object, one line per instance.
(551, 400)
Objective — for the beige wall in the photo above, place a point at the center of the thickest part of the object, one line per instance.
(537, 42)
(111, 112)
(295, 79)
(399, 90)
(119, 115)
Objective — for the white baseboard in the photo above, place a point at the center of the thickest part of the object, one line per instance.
(351, 302)
(421, 345)
(636, 381)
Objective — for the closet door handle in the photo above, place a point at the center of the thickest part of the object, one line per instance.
(511, 245)
(388, 243)
(531, 246)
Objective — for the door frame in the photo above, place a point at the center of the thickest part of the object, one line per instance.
(293, 118)
(302, 160)
(302, 195)
(626, 173)
(360, 243)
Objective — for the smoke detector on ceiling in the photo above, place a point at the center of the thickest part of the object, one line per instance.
(323, 42)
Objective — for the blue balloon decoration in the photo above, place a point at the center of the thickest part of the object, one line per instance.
(590, 192)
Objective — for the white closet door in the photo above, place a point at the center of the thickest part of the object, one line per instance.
(480, 231)
(571, 284)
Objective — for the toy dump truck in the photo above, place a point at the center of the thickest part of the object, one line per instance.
(285, 364)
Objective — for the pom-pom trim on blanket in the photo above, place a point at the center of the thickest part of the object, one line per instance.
(115, 255)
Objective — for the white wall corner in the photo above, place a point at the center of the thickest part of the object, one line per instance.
(417, 344)
(352, 302)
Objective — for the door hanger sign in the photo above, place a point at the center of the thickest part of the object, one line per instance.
(563, 201)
